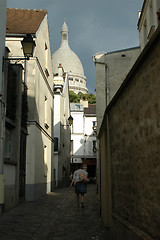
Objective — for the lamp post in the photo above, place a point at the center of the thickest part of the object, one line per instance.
(28, 45)
(70, 121)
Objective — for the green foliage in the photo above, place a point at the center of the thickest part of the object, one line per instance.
(76, 97)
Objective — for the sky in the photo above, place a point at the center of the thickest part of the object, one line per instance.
(94, 26)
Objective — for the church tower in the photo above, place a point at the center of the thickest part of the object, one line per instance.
(71, 64)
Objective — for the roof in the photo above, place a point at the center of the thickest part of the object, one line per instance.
(20, 21)
(90, 110)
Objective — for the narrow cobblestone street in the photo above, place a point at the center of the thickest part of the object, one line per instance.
(55, 216)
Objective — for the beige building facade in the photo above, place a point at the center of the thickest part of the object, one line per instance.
(38, 78)
(129, 149)
(62, 129)
(111, 70)
(148, 21)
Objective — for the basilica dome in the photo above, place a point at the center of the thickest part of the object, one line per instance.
(70, 63)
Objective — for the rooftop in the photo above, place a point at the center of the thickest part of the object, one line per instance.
(90, 110)
(20, 21)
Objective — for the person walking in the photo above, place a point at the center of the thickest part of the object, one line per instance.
(79, 184)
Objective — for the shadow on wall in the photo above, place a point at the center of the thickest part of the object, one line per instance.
(38, 154)
(85, 144)
(62, 154)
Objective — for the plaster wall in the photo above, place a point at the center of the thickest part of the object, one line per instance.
(88, 126)
(12, 147)
(38, 166)
(148, 22)
(134, 132)
(118, 64)
(101, 99)
(77, 127)
(57, 117)
(90, 136)
(62, 131)
(39, 80)
(78, 145)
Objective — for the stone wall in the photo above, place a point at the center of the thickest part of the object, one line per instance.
(134, 135)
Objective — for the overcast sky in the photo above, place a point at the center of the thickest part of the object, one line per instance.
(94, 26)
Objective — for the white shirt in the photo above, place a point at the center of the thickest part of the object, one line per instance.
(76, 175)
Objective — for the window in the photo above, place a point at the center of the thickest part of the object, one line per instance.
(94, 146)
(76, 79)
(45, 113)
(46, 55)
(46, 60)
(70, 78)
(64, 36)
(55, 144)
(46, 72)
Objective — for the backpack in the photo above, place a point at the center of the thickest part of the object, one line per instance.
(83, 178)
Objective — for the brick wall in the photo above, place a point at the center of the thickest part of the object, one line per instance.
(134, 123)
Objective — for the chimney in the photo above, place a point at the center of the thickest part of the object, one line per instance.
(85, 103)
(60, 70)
(81, 100)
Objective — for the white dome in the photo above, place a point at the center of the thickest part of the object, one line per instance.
(68, 59)
(65, 56)
(71, 64)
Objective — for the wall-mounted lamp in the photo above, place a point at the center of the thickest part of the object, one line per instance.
(70, 121)
(28, 45)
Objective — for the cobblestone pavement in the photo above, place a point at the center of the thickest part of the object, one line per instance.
(55, 216)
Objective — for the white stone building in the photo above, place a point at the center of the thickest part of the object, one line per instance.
(39, 80)
(62, 130)
(148, 21)
(71, 64)
(83, 137)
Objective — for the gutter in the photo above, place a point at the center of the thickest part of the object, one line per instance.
(19, 35)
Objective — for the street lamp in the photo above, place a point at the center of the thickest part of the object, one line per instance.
(70, 121)
(28, 45)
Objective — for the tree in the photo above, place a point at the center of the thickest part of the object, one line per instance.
(75, 98)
